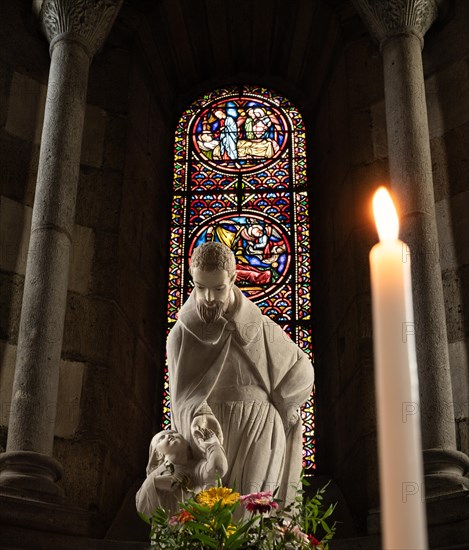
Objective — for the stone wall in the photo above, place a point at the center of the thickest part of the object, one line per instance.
(351, 159)
(114, 335)
(446, 63)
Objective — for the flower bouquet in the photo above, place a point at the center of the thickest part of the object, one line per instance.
(220, 518)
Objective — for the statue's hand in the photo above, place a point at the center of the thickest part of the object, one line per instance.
(180, 480)
(198, 432)
(205, 437)
(293, 415)
(205, 419)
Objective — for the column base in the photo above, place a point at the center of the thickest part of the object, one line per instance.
(29, 519)
(444, 472)
(447, 520)
(30, 475)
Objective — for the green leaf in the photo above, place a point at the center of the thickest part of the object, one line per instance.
(196, 527)
(325, 526)
(329, 511)
(208, 541)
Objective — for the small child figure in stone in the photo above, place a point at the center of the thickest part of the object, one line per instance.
(173, 473)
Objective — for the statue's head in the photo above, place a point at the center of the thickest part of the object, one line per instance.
(168, 445)
(210, 256)
(213, 270)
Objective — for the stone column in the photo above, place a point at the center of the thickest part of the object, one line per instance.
(75, 30)
(399, 26)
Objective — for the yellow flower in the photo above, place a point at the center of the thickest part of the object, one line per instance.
(230, 530)
(216, 494)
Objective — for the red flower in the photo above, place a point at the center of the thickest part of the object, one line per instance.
(314, 542)
(259, 502)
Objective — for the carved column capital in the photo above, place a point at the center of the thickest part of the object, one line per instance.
(388, 18)
(85, 21)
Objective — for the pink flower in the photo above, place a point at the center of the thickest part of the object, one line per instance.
(181, 518)
(259, 502)
(173, 520)
(299, 535)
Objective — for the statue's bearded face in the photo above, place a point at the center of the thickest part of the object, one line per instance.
(213, 292)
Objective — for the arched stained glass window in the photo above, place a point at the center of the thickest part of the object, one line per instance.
(240, 179)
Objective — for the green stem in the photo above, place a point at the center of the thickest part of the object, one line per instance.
(259, 533)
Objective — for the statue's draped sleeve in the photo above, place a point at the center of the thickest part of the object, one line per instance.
(195, 358)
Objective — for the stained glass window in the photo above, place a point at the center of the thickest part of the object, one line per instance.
(240, 179)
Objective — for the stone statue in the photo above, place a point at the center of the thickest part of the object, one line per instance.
(234, 371)
(173, 473)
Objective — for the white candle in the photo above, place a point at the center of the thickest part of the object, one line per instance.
(403, 518)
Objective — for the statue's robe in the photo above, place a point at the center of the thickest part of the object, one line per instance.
(244, 378)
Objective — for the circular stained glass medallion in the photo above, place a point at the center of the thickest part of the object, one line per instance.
(260, 246)
(239, 134)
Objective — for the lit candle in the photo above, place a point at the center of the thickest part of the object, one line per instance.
(403, 518)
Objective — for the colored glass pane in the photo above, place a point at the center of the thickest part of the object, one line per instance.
(277, 205)
(176, 250)
(204, 207)
(277, 177)
(240, 179)
(278, 305)
(166, 423)
(206, 179)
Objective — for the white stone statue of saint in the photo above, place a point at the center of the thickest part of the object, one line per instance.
(234, 371)
(173, 474)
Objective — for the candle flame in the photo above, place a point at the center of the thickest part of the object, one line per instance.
(385, 214)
